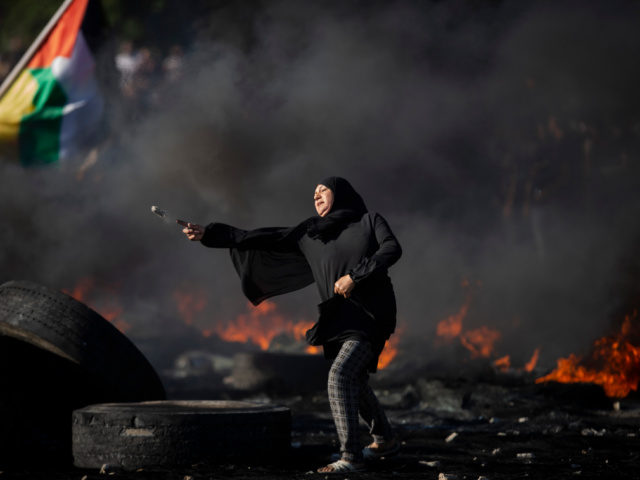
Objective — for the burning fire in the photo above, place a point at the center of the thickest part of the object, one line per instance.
(504, 363)
(451, 327)
(260, 326)
(480, 342)
(100, 298)
(614, 364)
(531, 364)
(390, 349)
(190, 302)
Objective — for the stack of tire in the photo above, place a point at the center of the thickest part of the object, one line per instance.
(73, 386)
(56, 355)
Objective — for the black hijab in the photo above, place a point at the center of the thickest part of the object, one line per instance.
(347, 208)
(269, 261)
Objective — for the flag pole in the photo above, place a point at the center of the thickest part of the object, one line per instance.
(33, 48)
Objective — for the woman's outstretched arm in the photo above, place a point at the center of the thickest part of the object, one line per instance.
(268, 260)
(216, 235)
(221, 235)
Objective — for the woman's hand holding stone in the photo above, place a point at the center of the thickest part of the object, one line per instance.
(193, 231)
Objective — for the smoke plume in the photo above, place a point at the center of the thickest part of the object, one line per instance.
(500, 142)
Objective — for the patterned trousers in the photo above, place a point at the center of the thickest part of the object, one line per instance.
(350, 394)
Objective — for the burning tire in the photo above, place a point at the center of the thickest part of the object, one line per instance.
(175, 433)
(56, 354)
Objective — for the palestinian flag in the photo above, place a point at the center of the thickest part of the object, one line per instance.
(53, 106)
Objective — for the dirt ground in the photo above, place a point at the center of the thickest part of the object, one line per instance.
(493, 426)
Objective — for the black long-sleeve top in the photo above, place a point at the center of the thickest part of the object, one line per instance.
(363, 248)
(271, 261)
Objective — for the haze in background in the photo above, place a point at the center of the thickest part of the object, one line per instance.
(499, 141)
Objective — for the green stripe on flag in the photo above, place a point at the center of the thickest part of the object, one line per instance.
(39, 137)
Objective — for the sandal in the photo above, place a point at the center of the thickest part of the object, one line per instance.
(375, 450)
(342, 466)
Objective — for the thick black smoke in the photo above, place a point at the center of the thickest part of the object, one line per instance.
(500, 142)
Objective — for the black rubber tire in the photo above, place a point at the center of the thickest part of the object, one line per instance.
(57, 355)
(65, 327)
(177, 433)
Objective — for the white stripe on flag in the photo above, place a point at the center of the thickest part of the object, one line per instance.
(82, 113)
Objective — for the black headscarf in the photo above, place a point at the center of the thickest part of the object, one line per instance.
(347, 208)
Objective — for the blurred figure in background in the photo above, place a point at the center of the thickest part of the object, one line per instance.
(172, 64)
(127, 65)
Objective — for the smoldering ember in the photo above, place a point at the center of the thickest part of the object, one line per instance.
(499, 140)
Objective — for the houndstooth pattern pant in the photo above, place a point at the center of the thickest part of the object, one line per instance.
(350, 394)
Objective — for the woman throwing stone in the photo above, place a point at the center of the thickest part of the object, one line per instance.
(346, 251)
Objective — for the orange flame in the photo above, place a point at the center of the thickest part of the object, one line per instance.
(614, 364)
(190, 302)
(390, 350)
(503, 363)
(311, 350)
(531, 364)
(260, 326)
(480, 341)
(81, 290)
(106, 305)
(451, 327)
